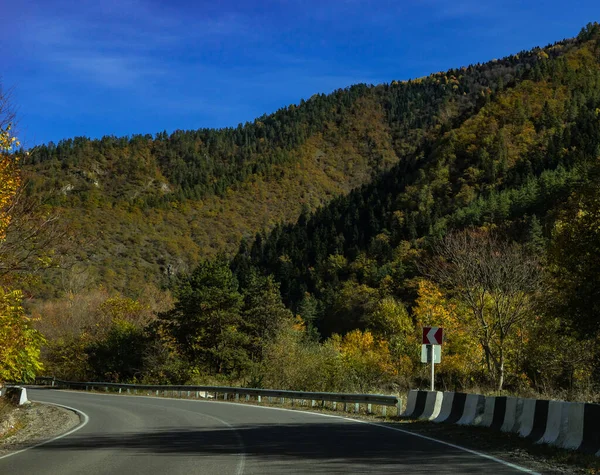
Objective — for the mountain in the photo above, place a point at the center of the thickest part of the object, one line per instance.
(145, 208)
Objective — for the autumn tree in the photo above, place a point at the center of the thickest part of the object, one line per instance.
(19, 341)
(497, 281)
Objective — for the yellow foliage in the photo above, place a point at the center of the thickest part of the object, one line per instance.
(9, 178)
(462, 354)
(367, 358)
(19, 341)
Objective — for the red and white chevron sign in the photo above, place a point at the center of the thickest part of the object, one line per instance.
(433, 335)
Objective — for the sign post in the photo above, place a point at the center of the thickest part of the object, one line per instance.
(432, 369)
(431, 350)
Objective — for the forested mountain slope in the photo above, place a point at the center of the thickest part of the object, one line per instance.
(148, 207)
(510, 165)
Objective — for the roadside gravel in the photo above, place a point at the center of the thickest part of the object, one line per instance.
(33, 423)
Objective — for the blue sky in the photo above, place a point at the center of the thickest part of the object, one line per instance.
(120, 67)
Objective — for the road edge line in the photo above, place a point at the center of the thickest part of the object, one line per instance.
(84, 419)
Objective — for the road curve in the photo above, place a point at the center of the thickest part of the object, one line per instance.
(133, 434)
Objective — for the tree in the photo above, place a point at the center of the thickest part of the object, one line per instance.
(10, 179)
(366, 361)
(498, 281)
(206, 320)
(574, 257)
(19, 341)
(27, 231)
(263, 312)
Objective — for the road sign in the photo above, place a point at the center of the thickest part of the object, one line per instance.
(433, 335)
(426, 353)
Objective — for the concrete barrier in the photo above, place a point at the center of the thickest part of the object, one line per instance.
(411, 403)
(474, 406)
(567, 425)
(458, 407)
(525, 420)
(433, 405)
(591, 429)
(557, 419)
(514, 406)
(17, 394)
(571, 434)
(419, 404)
(540, 419)
(486, 418)
(499, 412)
(446, 409)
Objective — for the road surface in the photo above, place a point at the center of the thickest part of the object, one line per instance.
(133, 434)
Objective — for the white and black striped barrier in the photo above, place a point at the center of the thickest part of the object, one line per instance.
(569, 425)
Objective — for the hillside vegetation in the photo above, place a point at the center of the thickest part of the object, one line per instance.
(147, 207)
(467, 199)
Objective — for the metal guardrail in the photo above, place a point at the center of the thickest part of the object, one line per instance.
(234, 393)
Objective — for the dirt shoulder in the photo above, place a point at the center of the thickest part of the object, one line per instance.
(31, 424)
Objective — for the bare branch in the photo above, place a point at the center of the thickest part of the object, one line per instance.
(497, 280)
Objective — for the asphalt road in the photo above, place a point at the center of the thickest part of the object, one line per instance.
(133, 434)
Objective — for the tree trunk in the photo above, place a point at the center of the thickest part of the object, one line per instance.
(501, 371)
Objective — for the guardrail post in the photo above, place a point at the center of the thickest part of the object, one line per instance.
(345, 407)
(188, 393)
(313, 403)
(237, 397)
(384, 411)
(282, 401)
(247, 397)
(225, 398)
(335, 405)
(399, 406)
(259, 398)
(369, 408)
(356, 407)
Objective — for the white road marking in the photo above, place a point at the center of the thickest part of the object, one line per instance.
(85, 419)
